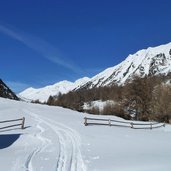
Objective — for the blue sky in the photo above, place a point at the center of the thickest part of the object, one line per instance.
(46, 41)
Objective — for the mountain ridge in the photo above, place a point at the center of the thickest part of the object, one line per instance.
(42, 94)
(150, 61)
(145, 62)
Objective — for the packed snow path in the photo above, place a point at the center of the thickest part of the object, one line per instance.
(69, 157)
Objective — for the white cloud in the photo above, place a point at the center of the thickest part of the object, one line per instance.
(44, 48)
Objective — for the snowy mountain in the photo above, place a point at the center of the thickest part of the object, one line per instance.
(6, 92)
(42, 94)
(150, 61)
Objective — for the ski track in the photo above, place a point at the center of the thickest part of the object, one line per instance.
(69, 158)
(45, 142)
(28, 163)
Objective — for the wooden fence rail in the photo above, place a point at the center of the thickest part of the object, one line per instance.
(13, 125)
(129, 124)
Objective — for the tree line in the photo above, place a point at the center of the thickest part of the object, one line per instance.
(147, 98)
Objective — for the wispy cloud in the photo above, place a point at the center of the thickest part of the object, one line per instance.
(42, 47)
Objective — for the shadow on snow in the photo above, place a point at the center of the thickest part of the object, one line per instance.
(8, 139)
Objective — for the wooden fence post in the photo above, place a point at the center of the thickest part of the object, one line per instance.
(85, 121)
(151, 126)
(23, 122)
(132, 125)
(109, 122)
(164, 124)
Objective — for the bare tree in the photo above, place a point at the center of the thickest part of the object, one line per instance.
(161, 103)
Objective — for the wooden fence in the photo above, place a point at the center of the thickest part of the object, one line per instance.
(17, 122)
(111, 122)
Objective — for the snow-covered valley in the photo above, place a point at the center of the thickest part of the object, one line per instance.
(56, 139)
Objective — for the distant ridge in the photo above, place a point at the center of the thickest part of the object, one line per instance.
(42, 94)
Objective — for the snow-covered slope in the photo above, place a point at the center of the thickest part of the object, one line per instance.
(42, 94)
(56, 139)
(151, 61)
(99, 104)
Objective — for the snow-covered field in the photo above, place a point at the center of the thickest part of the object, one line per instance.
(55, 139)
(97, 104)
